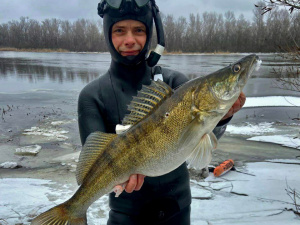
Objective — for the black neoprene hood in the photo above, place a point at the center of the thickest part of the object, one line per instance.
(128, 11)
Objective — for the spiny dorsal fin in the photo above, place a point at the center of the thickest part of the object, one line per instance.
(147, 101)
(92, 149)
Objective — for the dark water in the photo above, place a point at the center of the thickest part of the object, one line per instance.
(22, 72)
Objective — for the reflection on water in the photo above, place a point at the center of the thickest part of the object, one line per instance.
(23, 71)
(34, 72)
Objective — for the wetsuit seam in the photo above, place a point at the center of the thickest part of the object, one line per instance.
(110, 77)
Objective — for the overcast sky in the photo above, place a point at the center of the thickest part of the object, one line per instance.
(87, 9)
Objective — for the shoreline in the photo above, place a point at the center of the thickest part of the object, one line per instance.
(46, 50)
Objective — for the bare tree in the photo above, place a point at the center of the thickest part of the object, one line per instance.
(4, 35)
(259, 31)
(272, 4)
(288, 77)
(66, 36)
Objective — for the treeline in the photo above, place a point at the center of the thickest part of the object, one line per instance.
(209, 32)
(81, 35)
(212, 32)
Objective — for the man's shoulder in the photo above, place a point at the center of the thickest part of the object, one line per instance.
(173, 78)
(94, 86)
(170, 72)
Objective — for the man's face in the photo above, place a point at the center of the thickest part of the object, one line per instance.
(129, 37)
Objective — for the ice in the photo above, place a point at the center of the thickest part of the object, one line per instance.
(200, 193)
(284, 140)
(8, 165)
(62, 122)
(287, 161)
(265, 132)
(47, 132)
(251, 129)
(264, 200)
(29, 150)
(272, 101)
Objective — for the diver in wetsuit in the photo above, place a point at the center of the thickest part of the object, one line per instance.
(103, 104)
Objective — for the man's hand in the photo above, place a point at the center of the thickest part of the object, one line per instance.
(134, 183)
(236, 106)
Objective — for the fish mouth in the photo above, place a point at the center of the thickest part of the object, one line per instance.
(251, 63)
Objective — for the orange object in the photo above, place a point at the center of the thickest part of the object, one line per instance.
(223, 168)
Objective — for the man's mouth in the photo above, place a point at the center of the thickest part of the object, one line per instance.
(129, 53)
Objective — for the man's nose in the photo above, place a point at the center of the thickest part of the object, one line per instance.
(129, 40)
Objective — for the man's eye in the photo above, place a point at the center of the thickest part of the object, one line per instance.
(118, 31)
(140, 30)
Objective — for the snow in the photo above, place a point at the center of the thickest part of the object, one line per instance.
(62, 122)
(8, 165)
(251, 129)
(266, 132)
(272, 101)
(234, 198)
(284, 140)
(29, 150)
(47, 132)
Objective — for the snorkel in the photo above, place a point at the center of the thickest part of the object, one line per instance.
(144, 11)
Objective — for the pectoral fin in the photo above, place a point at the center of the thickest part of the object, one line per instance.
(202, 153)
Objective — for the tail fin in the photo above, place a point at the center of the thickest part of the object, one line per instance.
(59, 215)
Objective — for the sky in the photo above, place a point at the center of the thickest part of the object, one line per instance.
(87, 9)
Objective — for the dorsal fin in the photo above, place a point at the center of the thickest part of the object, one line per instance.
(92, 149)
(147, 101)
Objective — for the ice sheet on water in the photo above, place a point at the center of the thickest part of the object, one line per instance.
(50, 133)
(264, 204)
(252, 129)
(284, 140)
(28, 150)
(272, 101)
(8, 165)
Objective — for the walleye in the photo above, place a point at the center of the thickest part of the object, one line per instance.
(167, 128)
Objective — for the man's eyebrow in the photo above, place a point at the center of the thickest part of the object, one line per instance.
(118, 26)
(141, 26)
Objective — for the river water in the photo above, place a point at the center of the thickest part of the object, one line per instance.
(38, 88)
(23, 72)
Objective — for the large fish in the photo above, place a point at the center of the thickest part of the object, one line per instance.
(167, 128)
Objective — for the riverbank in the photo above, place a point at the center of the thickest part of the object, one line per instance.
(9, 49)
(45, 50)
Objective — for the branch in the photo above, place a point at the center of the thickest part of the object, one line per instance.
(272, 4)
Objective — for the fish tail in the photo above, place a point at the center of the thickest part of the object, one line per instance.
(59, 215)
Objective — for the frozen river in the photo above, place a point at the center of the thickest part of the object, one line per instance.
(39, 91)
(24, 72)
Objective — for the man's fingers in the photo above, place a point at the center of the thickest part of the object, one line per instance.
(140, 182)
(242, 99)
(131, 183)
(236, 106)
(135, 183)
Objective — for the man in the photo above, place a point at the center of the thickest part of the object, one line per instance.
(103, 104)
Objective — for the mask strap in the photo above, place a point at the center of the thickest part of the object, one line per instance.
(155, 55)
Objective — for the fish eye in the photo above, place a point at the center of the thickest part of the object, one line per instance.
(236, 68)
(167, 114)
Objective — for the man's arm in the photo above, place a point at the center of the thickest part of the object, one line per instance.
(90, 119)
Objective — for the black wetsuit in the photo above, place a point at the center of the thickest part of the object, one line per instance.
(102, 105)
